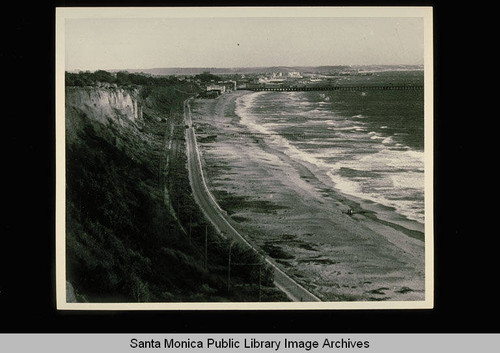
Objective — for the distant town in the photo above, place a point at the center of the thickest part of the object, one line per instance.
(275, 79)
(216, 81)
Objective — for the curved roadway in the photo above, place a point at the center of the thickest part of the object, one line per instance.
(217, 216)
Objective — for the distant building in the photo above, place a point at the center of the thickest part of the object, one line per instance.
(231, 85)
(219, 88)
(294, 74)
(273, 79)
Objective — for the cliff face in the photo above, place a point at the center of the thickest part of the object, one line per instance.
(124, 168)
(118, 230)
(105, 103)
(111, 161)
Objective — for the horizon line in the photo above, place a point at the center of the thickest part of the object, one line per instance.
(241, 67)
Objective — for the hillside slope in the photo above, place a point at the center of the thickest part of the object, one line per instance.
(133, 231)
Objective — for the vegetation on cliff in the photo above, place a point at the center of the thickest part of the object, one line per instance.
(122, 78)
(124, 241)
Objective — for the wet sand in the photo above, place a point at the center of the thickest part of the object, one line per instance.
(300, 220)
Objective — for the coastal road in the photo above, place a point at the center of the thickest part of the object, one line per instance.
(217, 216)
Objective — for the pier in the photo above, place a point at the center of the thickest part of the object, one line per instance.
(294, 136)
(334, 88)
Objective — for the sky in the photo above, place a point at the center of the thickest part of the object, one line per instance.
(144, 43)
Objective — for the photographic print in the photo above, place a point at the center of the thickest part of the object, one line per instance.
(249, 158)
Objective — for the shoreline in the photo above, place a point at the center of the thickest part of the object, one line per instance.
(300, 221)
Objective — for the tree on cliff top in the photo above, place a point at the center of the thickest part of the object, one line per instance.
(207, 77)
(121, 78)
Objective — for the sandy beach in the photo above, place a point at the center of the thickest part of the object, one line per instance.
(300, 220)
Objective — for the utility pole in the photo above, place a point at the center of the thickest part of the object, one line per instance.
(229, 267)
(260, 282)
(190, 228)
(206, 246)
(159, 172)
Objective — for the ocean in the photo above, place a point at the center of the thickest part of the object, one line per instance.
(367, 144)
